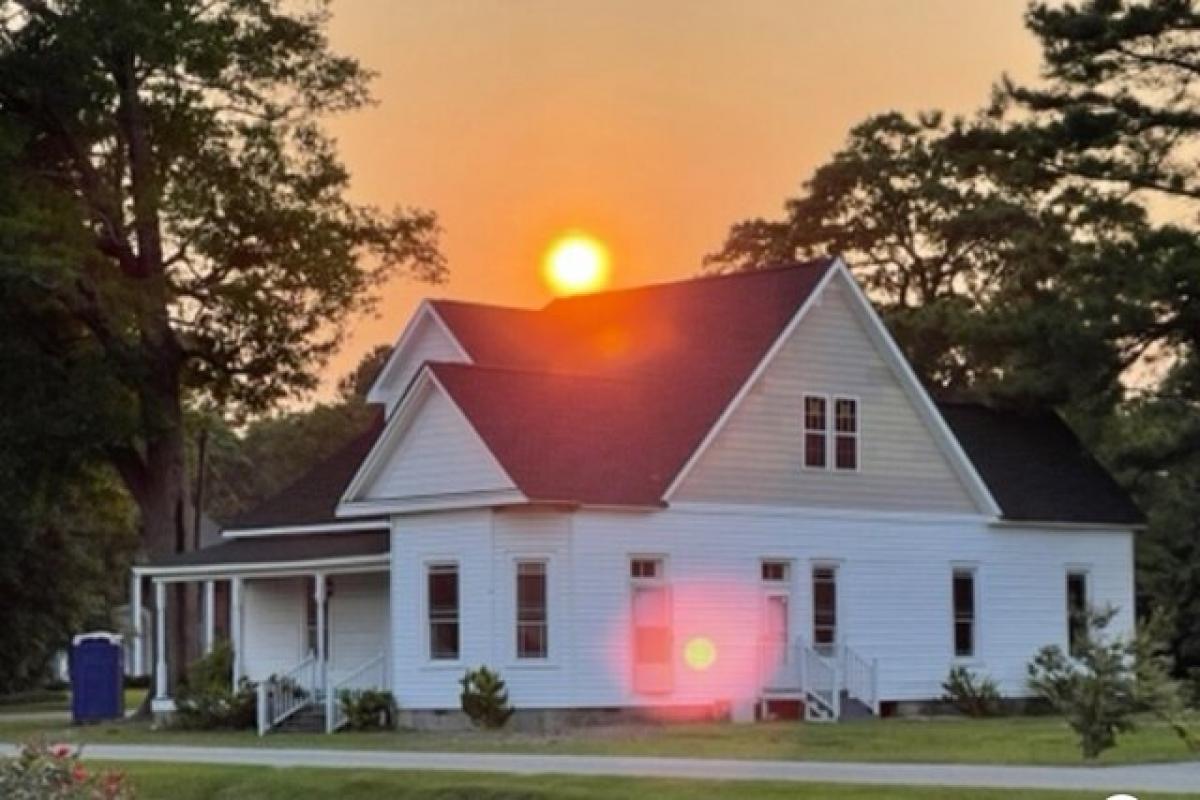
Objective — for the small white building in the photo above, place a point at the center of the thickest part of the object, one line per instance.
(722, 496)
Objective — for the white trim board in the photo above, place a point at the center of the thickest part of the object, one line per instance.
(275, 569)
(295, 530)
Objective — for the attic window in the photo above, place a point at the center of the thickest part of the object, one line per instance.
(831, 442)
(816, 431)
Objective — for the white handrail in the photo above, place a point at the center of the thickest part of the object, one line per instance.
(861, 678)
(371, 674)
(280, 696)
(822, 682)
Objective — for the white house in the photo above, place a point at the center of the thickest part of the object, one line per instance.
(727, 495)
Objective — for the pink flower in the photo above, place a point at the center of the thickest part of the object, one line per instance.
(60, 750)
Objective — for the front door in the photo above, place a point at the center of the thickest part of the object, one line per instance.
(775, 650)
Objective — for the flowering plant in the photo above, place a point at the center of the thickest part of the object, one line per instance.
(54, 772)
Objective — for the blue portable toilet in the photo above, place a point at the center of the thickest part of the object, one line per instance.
(97, 677)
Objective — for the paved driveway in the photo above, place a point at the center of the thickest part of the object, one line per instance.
(1177, 778)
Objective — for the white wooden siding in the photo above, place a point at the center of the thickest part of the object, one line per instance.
(429, 342)
(358, 621)
(894, 596)
(437, 454)
(758, 456)
(273, 614)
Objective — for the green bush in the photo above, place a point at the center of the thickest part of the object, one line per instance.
(973, 695)
(40, 772)
(368, 709)
(1096, 690)
(205, 701)
(484, 698)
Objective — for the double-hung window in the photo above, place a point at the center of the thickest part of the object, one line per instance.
(963, 589)
(533, 632)
(824, 606)
(442, 586)
(831, 433)
(1077, 610)
(816, 431)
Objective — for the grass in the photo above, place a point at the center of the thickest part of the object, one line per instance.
(1017, 740)
(55, 700)
(193, 782)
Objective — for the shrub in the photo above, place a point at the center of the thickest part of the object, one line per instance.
(368, 709)
(41, 772)
(1166, 698)
(205, 700)
(973, 695)
(1095, 690)
(484, 698)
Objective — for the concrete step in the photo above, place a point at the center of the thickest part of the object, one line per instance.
(310, 719)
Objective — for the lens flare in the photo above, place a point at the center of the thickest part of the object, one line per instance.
(700, 653)
(576, 263)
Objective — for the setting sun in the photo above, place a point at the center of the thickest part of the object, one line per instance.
(576, 263)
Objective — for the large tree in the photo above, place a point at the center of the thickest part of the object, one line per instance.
(174, 211)
(975, 262)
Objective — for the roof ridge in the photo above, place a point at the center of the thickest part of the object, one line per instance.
(822, 261)
(478, 304)
(543, 373)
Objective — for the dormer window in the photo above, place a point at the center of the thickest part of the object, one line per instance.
(830, 433)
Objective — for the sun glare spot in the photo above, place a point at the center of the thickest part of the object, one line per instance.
(700, 653)
(576, 263)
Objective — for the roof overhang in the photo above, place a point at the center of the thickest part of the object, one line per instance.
(266, 569)
(297, 530)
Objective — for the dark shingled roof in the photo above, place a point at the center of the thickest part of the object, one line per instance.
(284, 547)
(601, 399)
(312, 498)
(1036, 468)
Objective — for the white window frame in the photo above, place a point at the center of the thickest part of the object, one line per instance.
(1085, 571)
(830, 432)
(805, 430)
(427, 611)
(788, 572)
(972, 569)
(659, 581)
(545, 562)
(836, 566)
(833, 433)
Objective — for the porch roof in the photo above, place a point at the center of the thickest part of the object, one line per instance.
(277, 551)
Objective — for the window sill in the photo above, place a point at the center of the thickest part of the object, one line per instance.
(532, 665)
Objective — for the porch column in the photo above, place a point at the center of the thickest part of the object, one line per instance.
(139, 635)
(160, 640)
(235, 629)
(210, 622)
(319, 597)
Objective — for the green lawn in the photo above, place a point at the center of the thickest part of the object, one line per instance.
(191, 782)
(1022, 740)
(55, 700)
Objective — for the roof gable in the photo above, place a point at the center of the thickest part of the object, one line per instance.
(756, 456)
(428, 449)
(425, 338)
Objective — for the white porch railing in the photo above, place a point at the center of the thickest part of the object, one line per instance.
(280, 696)
(371, 674)
(860, 678)
(825, 677)
(821, 682)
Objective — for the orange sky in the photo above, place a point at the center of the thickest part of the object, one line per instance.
(651, 124)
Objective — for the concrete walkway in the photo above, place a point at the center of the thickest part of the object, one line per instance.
(1166, 778)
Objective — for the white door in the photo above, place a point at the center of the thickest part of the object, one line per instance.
(775, 650)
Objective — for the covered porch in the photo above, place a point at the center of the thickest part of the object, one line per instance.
(308, 618)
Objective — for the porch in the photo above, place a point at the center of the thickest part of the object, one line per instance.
(308, 618)
(833, 681)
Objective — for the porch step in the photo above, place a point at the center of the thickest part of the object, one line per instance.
(310, 719)
(853, 708)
